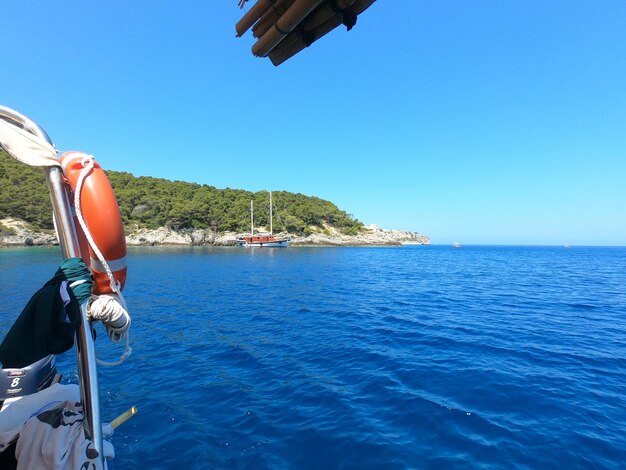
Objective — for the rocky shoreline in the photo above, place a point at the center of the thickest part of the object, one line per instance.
(15, 232)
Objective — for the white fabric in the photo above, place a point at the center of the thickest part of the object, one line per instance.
(49, 432)
(26, 147)
(12, 419)
(56, 439)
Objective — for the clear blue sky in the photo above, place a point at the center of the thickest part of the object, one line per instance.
(498, 122)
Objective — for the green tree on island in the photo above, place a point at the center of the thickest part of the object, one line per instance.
(155, 202)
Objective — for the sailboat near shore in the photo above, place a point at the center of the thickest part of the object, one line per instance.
(262, 240)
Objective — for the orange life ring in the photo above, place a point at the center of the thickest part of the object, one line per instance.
(102, 217)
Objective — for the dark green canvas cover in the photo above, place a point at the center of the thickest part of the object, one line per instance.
(46, 326)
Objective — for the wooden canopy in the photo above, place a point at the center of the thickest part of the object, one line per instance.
(285, 27)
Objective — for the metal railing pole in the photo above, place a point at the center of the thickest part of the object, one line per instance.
(85, 347)
(68, 240)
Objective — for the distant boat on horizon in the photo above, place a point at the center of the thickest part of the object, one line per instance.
(268, 240)
(456, 245)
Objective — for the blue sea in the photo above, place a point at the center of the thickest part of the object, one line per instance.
(400, 357)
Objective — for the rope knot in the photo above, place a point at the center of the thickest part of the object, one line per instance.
(111, 310)
(87, 161)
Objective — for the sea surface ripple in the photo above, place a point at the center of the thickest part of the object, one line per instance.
(403, 357)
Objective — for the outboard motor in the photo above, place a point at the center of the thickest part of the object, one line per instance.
(16, 383)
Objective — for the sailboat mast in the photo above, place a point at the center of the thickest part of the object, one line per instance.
(271, 225)
(251, 218)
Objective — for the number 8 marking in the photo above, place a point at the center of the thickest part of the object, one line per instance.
(16, 382)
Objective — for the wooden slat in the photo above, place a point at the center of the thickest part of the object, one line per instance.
(286, 23)
(254, 13)
(285, 27)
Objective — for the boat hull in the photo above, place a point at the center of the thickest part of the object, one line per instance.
(274, 244)
(267, 241)
(267, 245)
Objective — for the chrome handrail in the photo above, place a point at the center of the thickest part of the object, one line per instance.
(68, 240)
(23, 122)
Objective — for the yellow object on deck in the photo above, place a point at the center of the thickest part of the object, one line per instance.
(121, 419)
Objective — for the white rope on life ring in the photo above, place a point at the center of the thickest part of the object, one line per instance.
(109, 308)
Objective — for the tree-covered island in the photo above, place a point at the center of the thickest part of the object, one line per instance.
(148, 204)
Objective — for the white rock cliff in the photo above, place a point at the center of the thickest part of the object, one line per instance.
(14, 232)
